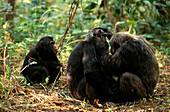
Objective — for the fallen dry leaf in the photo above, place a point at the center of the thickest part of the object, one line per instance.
(58, 103)
(96, 103)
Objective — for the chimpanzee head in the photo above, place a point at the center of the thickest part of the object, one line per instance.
(98, 37)
(119, 39)
(46, 45)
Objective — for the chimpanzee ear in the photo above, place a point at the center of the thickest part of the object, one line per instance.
(93, 35)
(100, 31)
(41, 44)
(116, 45)
(52, 42)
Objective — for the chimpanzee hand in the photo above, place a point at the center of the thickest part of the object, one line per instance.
(31, 59)
(58, 67)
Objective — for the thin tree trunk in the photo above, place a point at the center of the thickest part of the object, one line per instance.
(10, 17)
(110, 15)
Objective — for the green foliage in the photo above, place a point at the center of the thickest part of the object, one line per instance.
(141, 17)
(38, 18)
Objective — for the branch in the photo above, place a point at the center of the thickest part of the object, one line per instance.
(3, 10)
(70, 23)
(110, 15)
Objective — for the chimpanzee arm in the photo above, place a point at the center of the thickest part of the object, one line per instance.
(32, 54)
(128, 58)
(50, 63)
(89, 58)
(95, 77)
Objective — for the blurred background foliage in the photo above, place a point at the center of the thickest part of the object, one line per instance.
(34, 19)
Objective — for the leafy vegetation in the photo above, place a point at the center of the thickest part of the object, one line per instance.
(36, 18)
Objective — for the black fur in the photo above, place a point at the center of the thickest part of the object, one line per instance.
(133, 61)
(44, 53)
(86, 77)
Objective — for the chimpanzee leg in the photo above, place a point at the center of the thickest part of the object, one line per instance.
(55, 74)
(99, 87)
(35, 74)
(131, 87)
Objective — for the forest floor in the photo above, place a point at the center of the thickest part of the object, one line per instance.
(40, 97)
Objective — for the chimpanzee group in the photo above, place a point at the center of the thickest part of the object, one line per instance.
(91, 70)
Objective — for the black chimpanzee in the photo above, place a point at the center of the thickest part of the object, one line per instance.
(133, 61)
(86, 78)
(42, 62)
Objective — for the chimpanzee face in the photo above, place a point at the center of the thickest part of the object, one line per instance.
(100, 39)
(118, 40)
(53, 47)
(47, 45)
(114, 46)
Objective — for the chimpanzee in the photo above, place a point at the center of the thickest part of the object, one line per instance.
(133, 61)
(86, 78)
(42, 62)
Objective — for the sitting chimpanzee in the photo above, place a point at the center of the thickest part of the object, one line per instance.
(86, 78)
(133, 61)
(42, 62)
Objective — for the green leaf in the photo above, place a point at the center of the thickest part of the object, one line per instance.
(151, 1)
(168, 100)
(157, 40)
(35, 2)
(117, 23)
(26, 4)
(47, 79)
(1, 45)
(157, 98)
(146, 2)
(159, 4)
(132, 22)
(7, 5)
(9, 42)
(143, 22)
